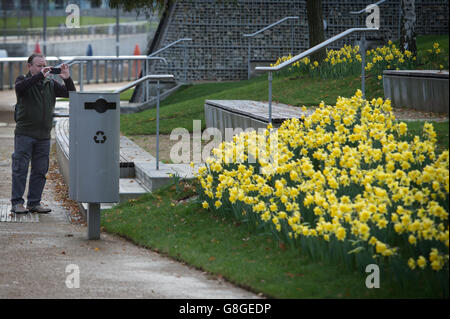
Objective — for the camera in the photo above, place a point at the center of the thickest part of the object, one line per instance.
(55, 71)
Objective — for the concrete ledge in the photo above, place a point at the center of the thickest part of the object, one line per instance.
(141, 177)
(421, 90)
(153, 179)
(418, 73)
(245, 114)
(62, 147)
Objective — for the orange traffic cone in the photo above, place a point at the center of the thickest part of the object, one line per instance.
(37, 48)
(137, 51)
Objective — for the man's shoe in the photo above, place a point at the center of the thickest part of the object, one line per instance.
(39, 209)
(19, 209)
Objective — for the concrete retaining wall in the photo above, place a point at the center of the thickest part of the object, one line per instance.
(237, 115)
(221, 119)
(421, 90)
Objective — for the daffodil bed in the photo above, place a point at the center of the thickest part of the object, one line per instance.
(347, 61)
(344, 184)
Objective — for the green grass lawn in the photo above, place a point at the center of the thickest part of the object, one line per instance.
(230, 250)
(187, 104)
(164, 222)
(425, 42)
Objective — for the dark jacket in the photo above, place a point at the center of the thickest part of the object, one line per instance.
(36, 97)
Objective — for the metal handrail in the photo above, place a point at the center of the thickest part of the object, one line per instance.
(307, 53)
(69, 59)
(363, 46)
(169, 46)
(313, 49)
(25, 59)
(250, 35)
(145, 78)
(83, 59)
(10, 61)
(73, 60)
(268, 27)
(156, 77)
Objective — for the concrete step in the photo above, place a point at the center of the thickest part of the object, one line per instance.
(153, 178)
(103, 206)
(129, 188)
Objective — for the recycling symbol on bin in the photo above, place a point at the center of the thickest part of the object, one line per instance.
(100, 137)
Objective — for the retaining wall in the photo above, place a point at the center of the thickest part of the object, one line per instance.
(418, 89)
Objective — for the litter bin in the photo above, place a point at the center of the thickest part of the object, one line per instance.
(94, 152)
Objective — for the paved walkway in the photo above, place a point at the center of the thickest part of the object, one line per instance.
(34, 257)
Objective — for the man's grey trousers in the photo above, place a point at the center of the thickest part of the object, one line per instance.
(37, 151)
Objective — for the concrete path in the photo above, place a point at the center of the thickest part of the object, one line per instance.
(36, 259)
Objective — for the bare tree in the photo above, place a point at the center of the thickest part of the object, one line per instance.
(315, 26)
(408, 23)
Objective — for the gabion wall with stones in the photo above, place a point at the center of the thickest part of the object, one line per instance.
(218, 51)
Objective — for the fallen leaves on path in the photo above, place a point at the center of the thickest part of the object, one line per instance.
(61, 191)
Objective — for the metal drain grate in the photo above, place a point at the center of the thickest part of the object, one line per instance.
(7, 216)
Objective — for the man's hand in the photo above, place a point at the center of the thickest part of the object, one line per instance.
(64, 71)
(46, 71)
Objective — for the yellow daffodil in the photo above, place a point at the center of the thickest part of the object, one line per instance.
(346, 172)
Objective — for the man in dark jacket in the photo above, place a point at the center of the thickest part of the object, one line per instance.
(36, 96)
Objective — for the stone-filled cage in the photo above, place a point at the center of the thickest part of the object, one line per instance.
(219, 51)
